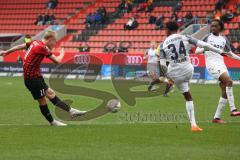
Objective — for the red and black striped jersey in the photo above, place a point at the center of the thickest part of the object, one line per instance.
(36, 52)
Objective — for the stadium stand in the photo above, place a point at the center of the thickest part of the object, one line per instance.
(77, 26)
(18, 16)
(145, 33)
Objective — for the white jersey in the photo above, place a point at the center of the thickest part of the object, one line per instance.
(221, 42)
(176, 48)
(152, 57)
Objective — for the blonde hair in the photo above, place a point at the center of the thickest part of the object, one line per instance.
(49, 34)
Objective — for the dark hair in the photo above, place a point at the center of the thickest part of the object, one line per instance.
(28, 36)
(172, 26)
(220, 23)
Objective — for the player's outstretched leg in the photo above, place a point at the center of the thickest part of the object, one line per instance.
(46, 113)
(155, 80)
(221, 104)
(169, 87)
(61, 104)
(190, 112)
(229, 92)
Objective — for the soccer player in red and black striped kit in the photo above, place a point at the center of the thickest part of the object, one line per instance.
(36, 52)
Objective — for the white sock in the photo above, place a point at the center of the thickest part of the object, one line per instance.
(190, 112)
(71, 110)
(221, 104)
(230, 97)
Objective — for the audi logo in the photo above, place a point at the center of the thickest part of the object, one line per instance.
(134, 60)
(82, 59)
(195, 61)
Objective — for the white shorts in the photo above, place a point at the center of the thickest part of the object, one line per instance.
(182, 82)
(216, 70)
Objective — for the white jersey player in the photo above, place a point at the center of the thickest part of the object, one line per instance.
(152, 65)
(154, 68)
(217, 68)
(152, 61)
(180, 70)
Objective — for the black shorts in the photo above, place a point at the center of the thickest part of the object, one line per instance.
(37, 87)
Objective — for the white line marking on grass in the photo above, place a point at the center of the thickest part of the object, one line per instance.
(21, 124)
(7, 84)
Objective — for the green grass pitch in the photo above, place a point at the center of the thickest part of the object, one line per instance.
(24, 134)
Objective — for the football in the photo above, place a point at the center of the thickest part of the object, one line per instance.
(113, 105)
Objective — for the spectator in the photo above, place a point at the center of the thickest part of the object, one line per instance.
(219, 5)
(209, 17)
(46, 19)
(110, 47)
(123, 46)
(27, 38)
(122, 49)
(139, 1)
(177, 7)
(218, 14)
(189, 18)
(226, 16)
(52, 19)
(121, 5)
(99, 17)
(102, 11)
(128, 6)
(131, 24)
(159, 23)
(180, 22)
(52, 4)
(125, 6)
(145, 7)
(84, 47)
(92, 18)
(174, 17)
(141, 7)
(149, 6)
(88, 20)
(152, 19)
(237, 6)
(39, 21)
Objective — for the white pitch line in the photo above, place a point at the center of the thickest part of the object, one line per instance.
(21, 124)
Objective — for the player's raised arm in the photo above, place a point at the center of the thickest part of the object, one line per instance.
(145, 55)
(57, 59)
(232, 55)
(199, 50)
(13, 49)
(228, 51)
(203, 44)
